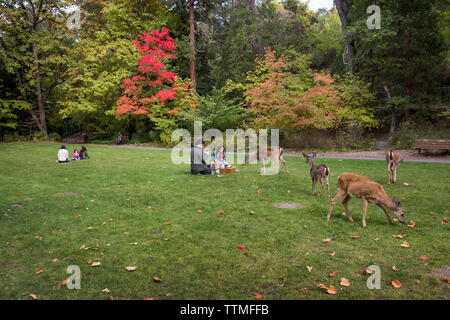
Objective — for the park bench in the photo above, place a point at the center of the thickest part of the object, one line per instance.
(432, 144)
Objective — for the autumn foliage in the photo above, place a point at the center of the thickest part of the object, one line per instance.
(156, 91)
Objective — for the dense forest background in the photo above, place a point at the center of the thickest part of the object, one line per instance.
(325, 78)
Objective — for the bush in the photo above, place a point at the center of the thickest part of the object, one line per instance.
(54, 137)
(140, 137)
(14, 137)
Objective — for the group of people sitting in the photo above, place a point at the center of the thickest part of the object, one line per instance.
(63, 154)
(199, 159)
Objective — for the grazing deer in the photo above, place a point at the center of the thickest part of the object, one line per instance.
(317, 173)
(267, 154)
(354, 185)
(393, 162)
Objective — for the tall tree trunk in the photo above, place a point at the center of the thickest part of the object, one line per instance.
(343, 7)
(192, 41)
(393, 117)
(40, 100)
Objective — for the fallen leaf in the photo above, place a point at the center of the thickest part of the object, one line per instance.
(406, 184)
(149, 298)
(395, 268)
(332, 290)
(39, 272)
(265, 198)
(259, 191)
(344, 214)
(252, 212)
(55, 260)
(220, 212)
(32, 295)
(168, 222)
(444, 221)
(423, 258)
(364, 271)
(130, 268)
(355, 237)
(282, 278)
(104, 223)
(258, 296)
(446, 279)
(126, 232)
(241, 247)
(332, 254)
(156, 279)
(431, 212)
(398, 236)
(376, 239)
(405, 245)
(95, 264)
(345, 282)
(412, 225)
(322, 286)
(199, 211)
(333, 274)
(396, 284)
(326, 240)
(106, 290)
(309, 268)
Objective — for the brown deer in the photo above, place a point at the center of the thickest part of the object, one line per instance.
(354, 185)
(317, 173)
(393, 162)
(271, 153)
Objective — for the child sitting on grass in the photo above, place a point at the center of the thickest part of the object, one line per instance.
(76, 155)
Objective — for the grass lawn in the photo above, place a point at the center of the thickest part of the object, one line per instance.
(131, 196)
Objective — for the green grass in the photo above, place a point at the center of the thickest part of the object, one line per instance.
(136, 191)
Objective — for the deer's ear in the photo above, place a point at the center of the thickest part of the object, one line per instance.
(397, 203)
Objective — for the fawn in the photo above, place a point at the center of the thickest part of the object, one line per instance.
(393, 162)
(354, 185)
(317, 173)
(270, 153)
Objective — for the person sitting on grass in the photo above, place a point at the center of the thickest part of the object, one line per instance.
(63, 155)
(83, 153)
(119, 138)
(76, 155)
(198, 163)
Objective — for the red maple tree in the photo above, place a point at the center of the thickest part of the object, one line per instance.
(155, 87)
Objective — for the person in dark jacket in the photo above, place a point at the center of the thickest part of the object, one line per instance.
(198, 164)
(83, 153)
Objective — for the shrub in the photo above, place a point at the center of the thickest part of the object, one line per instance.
(14, 137)
(54, 137)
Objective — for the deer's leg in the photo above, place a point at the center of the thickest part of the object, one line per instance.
(340, 194)
(314, 181)
(285, 164)
(389, 174)
(279, 164)
(328, 185)
(385, 212)
(364, 201)
(344, 203)
(321, 186)
(395, 175)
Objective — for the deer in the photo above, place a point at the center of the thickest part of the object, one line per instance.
(317, 173)
(266, 154)
(393, 162)
(356, 186)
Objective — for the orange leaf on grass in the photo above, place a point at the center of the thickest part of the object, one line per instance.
(332, 254)
(32, 295)
(423, 258)
(332, 290)
(220, 212)
(447, 279)
(149, 298)
(241, 247)
(405, 244)
(130, 268)
(444, 221)
(398, 236)
(156, 279)
(345, 282)
(396, 284)
(326, 240)
(259, 190)
(333, 274)
(39, 272)
(309, 268)
(355, 237)
(258, 296)
(412, 224)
